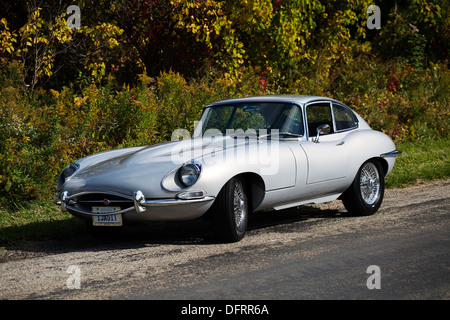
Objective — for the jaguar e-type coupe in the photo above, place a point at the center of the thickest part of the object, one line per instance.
(245, 155)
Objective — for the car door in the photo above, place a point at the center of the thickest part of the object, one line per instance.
(327, 157)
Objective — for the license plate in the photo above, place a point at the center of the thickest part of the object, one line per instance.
(100, 219)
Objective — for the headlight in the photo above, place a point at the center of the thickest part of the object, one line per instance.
(66, 174)
(69, 171)
(189, 174)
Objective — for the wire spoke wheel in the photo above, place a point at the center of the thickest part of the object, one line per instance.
(365, 195)
(230, 211)
(369, 183)
(240, 207)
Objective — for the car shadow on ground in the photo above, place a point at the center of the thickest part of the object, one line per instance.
(196, 232)
(284, 220)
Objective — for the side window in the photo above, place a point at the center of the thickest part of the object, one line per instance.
(344, 118)
(318, 114)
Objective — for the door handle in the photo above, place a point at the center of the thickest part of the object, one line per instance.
(340, 143)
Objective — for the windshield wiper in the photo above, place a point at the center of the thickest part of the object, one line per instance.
(290, 134)
(284, 133)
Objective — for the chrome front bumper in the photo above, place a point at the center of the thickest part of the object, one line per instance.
(188, 205)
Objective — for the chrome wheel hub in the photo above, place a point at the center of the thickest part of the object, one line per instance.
(369, 183)
(240, 208)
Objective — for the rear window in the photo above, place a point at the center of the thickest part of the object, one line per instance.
(344, 118)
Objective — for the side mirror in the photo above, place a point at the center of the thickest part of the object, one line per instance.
(322, 129)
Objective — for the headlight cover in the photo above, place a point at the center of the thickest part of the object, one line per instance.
(189, 174)
(66, 174)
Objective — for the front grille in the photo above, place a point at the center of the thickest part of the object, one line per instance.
(85, 202)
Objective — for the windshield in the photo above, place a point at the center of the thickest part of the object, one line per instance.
(285, 117)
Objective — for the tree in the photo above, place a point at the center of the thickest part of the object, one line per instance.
(40, 41)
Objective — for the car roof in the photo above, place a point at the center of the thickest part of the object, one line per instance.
(300, 99)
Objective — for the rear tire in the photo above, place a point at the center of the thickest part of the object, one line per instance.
(365, 195)
(230, 212)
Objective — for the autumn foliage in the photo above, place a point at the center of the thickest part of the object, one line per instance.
(137, 70)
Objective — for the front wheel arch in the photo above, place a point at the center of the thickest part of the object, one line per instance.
(254, 187)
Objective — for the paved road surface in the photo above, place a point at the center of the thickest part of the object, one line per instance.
(314, 252)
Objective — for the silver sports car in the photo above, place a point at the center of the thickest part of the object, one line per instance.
(245, 155)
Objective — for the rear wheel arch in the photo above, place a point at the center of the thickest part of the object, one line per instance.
(383, 163)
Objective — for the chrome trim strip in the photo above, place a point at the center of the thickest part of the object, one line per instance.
(173, 202)
(391, 154)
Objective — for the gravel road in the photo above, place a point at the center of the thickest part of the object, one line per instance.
(181, 260)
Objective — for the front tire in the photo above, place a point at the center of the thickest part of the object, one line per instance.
(365, 195)
(230, 212)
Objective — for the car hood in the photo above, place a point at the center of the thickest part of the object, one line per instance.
(141, 168)
(174, 152)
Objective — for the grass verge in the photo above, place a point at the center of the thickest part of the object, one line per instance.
(37, 221)
(420, 161)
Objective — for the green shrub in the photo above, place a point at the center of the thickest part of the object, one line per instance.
(41, 134)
